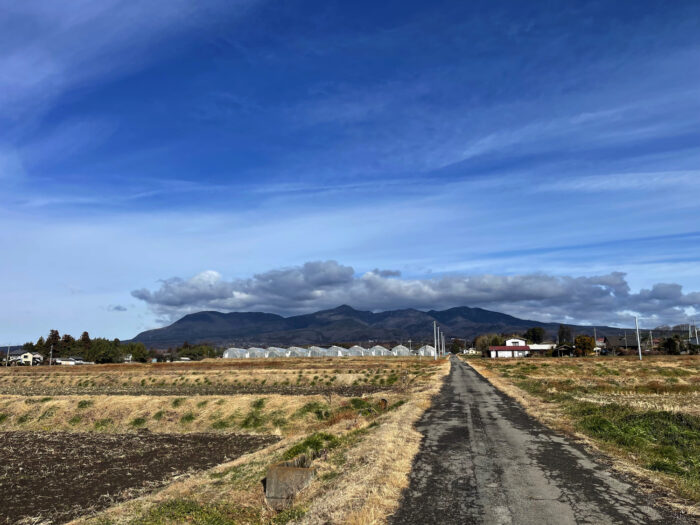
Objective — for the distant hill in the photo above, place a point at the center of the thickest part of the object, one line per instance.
(342, 324)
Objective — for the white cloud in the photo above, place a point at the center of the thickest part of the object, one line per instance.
(601, 299)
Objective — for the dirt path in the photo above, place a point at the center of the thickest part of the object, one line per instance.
(484, 460)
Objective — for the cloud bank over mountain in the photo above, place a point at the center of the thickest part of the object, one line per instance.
(599, 299)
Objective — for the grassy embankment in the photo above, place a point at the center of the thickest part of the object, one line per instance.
(207, 377)
(645, 414)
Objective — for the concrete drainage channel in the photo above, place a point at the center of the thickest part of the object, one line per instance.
(284, 480)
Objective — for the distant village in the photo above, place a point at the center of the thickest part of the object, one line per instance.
(534, 342)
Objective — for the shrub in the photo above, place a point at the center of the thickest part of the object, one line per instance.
(75, 420)
(320, 410)
(138, 422)
(85, 403)
(178, 401)
(187, 418)
(313, 445)
(101, 424)
(158, 415)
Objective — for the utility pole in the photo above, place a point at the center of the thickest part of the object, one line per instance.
(51, 355)
(435, 338)
(409, 346)
(639, 344)
(651, 341)
(443, 344)
(7, 361)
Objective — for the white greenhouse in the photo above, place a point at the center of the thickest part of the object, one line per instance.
(400, 350)
(426, 350)
(274, 351)
(257, 352)
(379, 350)
(337, 351)
(235, 353)
(317, 351)
(357, 350)
(295, 351)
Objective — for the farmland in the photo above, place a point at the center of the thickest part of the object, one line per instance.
(349, 376)
(136, 443)
(645, 415)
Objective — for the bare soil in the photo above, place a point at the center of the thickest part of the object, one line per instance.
(54, 477)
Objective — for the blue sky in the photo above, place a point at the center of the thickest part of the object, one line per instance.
(166, 157)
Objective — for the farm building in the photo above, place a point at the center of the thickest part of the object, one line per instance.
(257, 352)
(337, 351)
(317, 351)
(31, 358)
(543, 346)
(509, 351)
(357, 350)
(400, 350)
(426, 350)
(379, 350)
(620, 342)
(236, 353)
(274, 351)
(70, 361)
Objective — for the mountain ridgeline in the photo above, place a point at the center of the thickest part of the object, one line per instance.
(340, 325)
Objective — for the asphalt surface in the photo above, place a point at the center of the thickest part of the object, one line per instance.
(484, 460)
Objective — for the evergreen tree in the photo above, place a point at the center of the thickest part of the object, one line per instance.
(565, 334)
(535, 335)
(85, 340)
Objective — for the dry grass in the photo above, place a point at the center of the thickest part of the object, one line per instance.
(359, 481)
(166, 414)
(376, 470)
(216, 376)
(642, 415)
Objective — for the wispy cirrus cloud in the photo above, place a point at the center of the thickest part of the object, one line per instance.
(48, 49)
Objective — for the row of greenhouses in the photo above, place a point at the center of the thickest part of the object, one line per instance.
(318, 351)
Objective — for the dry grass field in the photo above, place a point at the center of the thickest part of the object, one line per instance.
(347, 376)
(644, 414)
(110, 421)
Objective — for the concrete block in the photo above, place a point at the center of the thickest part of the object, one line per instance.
(284, 480)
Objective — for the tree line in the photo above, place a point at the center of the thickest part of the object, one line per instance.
(102, 350)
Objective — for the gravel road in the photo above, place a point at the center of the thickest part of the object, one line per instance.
(484, 460)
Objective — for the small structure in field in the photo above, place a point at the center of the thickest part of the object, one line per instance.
(426, 350)
(509, 351)
(379, 350)
(275, 351)
(236, 353)
(317, 351)
(295, 351)
(400, 350)
(31, 358)
(357, 350)
(337, 351)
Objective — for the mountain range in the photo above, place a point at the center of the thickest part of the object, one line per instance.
(343, 324)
